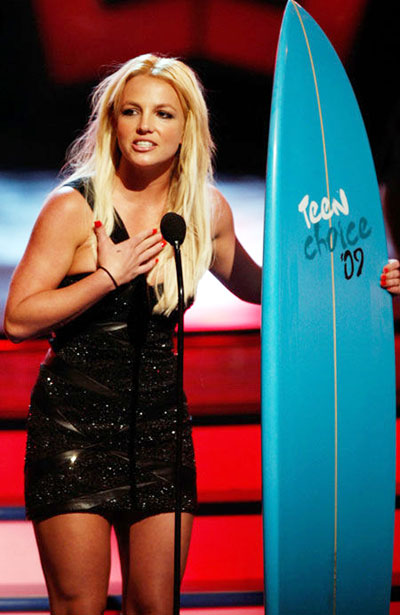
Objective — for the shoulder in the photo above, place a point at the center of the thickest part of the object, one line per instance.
(83, 185)
(67, 202)
(222, 217)
(218, 200)
(65, 210)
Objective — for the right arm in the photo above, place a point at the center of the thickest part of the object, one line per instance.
(35, 304)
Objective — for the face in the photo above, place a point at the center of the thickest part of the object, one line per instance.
(150, 122)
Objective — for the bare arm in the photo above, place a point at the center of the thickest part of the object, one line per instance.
(59, 245)
(232, 265)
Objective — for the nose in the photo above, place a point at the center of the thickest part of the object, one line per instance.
(145, 124)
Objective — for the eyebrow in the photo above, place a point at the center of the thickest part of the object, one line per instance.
(161, 106)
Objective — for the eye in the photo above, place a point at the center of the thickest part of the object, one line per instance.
(129, 111)
(165, 115)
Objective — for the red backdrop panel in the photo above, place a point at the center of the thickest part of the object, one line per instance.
(81, 36)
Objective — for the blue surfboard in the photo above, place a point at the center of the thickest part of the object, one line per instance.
(328, 381)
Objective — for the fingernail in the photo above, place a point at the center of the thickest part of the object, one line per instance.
(156, 261)
(163, 243)
(383, 280)
(385, 269)
(154, 231)
(97, 224)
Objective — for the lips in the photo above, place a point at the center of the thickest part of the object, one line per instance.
(143, 145)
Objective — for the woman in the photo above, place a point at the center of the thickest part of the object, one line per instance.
(98, 274)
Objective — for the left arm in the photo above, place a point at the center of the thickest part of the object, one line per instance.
(231, 264)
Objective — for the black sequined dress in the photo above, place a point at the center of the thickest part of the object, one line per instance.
(101, 426)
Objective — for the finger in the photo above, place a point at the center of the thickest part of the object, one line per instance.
(150, 253)
(392, 265)
(149, 248)
(392, 275)
(146, 267)
(100, 232)
(148, 238)
(394, 290)
(390, 282)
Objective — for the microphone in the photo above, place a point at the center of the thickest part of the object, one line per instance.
(173, 228)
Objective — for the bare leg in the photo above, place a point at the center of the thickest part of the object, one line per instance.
(75, 554)
(147, 562)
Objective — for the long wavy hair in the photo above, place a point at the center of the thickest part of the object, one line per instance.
(96, 155)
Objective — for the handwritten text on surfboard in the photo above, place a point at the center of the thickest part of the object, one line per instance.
(325, 211)
(345, 235)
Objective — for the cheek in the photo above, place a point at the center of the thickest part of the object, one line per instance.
(172, 138)
(122, 128)
(177, 135)
(183, 127)
(120, 132)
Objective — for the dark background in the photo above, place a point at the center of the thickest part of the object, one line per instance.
(42, 110)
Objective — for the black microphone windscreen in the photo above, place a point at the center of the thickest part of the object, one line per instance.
(173, 228)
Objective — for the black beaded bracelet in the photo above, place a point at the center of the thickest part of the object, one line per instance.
(106, 270)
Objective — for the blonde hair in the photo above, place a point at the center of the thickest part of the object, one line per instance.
(95, 155)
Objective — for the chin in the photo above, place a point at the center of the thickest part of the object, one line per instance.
(163, 164)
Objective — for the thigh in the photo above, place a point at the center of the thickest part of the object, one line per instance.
(75, 555)
(147, 558)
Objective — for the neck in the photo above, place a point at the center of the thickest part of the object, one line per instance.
(144, 182)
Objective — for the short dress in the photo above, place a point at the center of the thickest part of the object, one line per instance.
(102, 420)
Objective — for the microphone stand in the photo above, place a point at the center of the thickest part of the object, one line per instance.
(179, 428)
